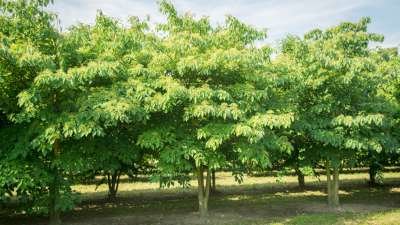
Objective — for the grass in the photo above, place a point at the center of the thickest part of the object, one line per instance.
(391, 217)
(258, 200)
(226, 183)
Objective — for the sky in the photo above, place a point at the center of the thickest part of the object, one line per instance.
(279, 17)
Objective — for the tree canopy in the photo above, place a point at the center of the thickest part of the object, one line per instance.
(337, 90)
(183, 98)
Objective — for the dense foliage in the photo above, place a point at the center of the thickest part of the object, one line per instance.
(184, 98)
(341, 111)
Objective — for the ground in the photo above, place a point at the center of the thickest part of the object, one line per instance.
(258, 200)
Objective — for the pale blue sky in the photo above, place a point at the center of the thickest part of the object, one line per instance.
(280, 17)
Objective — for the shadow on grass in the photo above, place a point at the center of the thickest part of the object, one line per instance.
(286, 204)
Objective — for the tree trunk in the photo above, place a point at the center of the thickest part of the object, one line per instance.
(203, 191)
(329, 183)
(54, 212)
(213, 188)
(372, 175)
(300, 178)
(335, 188)
(54, 189)
(113, 184)
(373, 170)
(332, 185)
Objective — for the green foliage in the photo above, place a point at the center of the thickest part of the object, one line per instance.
(225, 110)
(183, 97)
(337, 81)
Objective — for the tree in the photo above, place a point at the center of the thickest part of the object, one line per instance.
(300, 159)
(113, 155)
(336, 89)
(27, 36)
(389, 66)
(221, 105)
(75, 96)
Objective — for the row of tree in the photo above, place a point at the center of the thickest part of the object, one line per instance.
(184, 98)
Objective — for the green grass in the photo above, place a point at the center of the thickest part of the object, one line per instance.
(391, 217)
(259, 200)
(226, 183)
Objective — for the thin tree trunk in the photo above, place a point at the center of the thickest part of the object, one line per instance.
(200, 189)
(332, 185)
(118, 179)
(54, 189)
(207, 189)
(213, 188)
(300, 178)
(329, 183)
(113, 184)
(372, 175)
(203, 191)
(335, 188)
(54, 212)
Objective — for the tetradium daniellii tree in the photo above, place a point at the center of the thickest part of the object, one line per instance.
(89, 84)
(388, 62)
(27, 47)
(221, 103)
(337, 98)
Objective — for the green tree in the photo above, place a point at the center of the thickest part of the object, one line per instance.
(389, 66)
(76, 95)
(27, 37)
(113, 155)
(336, 81)
(221, 104)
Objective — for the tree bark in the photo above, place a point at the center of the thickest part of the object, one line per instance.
(54, 189)
(329, 183)
(54, 212)
(372, 175)
(332, 185)
(373, 170)
(335, 188)
(300, 178)
(203, 191)
(213, 188)
(113, 184)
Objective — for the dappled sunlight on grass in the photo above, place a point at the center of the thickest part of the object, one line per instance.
(258, 200)
(304, 193)
(383, 218)
(236, 198)
(320, 219)
(226, 183)
(342, 192)
(374, 218)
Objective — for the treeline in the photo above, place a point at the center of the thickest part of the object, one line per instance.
(185, 98)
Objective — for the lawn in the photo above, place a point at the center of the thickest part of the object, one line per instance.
(258, 200)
